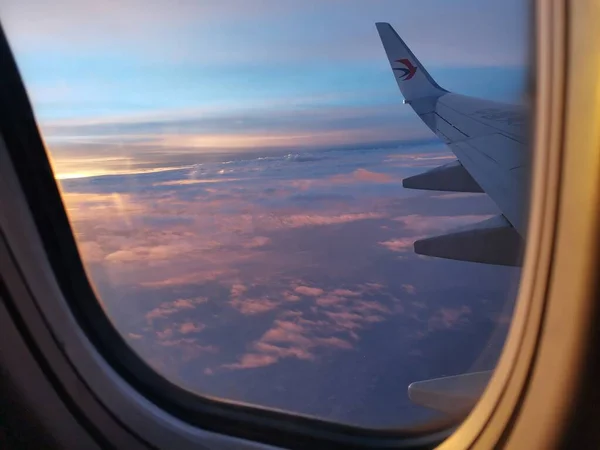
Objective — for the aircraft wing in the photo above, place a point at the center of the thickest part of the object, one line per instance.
(488, 139)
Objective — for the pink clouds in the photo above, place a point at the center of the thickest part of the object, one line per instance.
(358, 176)
(427, 226)
(334, 342)
(302, 220)
(256, 242)
(169, 308)
(334, 323)
(164, 334)
(409, 289)
(362, 175)
(250, 306)
(422, 224)
(282, 352)
(367, 175)
(346, 320)
(288, 296)
(189, 303)
(252, 361)
(286, 340)
(449, 318)
(366, 306)
(399, 244)
(191, 327)
(346, 293)
(194, 276)
(237, 290)
(285, 331)
(309, 291)
(166, 242)
(331, 300)
(272, 263)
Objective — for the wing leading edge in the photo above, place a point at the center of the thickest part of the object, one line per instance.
(488, 139)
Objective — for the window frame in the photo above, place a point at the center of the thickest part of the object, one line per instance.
(124, 400)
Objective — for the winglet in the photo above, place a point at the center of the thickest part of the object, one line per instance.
(412, 78)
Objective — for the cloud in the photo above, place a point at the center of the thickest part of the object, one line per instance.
(309, 291)
(252, 361)
(400, 244)
(449, 318)
(251, 306)
(282, 352)
(286, 340)
(331, 301)
(335, 325)
(257, 242)
(409, 289)
(297, 220)
(346, 293)
(176, 139)
(191, 327)
(237, 290)
(421, 223)
(91, 251)
(346, 320)
(288, 296)
(279, 280)
(167, 309)
(363, 175)
(164, 334)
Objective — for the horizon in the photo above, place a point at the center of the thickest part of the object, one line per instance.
(311, 75)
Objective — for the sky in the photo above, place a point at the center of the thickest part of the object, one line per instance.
(233, 175)
(210, 76)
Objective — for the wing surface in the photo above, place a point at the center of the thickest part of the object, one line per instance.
(489, 141)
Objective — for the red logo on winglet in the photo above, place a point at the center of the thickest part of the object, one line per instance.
(408, 71)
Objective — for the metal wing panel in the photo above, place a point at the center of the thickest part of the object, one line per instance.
(498, 182)
(505, 119)
(488, 139)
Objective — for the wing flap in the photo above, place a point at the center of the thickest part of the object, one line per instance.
(451, 177)
(493, 241)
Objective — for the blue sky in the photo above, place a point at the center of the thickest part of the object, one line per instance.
(146, 61)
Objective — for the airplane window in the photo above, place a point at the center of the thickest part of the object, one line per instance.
(263, 218)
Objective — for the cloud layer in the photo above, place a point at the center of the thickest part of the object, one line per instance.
(236, 277)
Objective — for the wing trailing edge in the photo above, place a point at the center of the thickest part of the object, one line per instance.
(451, 177)
(493, 241)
